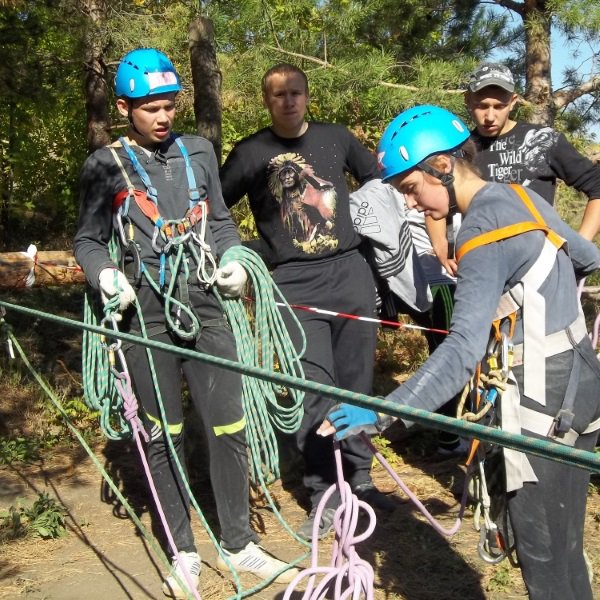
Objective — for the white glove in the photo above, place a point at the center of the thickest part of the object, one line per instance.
(231, 279)
(114, 283)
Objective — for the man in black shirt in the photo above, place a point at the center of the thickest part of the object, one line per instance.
(511, 151)
(294, 173)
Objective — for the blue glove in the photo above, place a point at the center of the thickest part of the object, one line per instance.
(351, 420)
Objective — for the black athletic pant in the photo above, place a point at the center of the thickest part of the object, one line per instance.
(548, 516)
(340, 352)
(216, 396)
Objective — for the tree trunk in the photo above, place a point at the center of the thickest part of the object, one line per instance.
(537, 21)
(96, 93)
(7, 178)
(206, 78)
(22, 269)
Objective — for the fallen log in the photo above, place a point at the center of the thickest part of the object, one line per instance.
(38, 269)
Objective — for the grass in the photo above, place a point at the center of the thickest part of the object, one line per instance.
(44, 518)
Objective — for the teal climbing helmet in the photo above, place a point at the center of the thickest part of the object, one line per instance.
(416, 134)
(145, 72)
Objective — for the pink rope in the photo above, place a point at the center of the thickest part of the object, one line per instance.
(434, 522)
(347, 574)
(130, 410)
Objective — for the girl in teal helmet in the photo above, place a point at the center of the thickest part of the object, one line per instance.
(514, 270)
(411, 141)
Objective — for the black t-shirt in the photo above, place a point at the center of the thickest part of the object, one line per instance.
(297, 189)
(535, 156)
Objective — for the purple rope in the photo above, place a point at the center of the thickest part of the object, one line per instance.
(130, 410)
(436, 525)
(347, 574)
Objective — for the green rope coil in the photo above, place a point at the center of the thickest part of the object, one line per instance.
(264, 342)
(99, 390)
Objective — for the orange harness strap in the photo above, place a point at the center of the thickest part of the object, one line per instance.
(512, 230)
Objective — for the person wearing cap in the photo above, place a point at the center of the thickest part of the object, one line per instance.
(513, 250)
(158, 194)
(510, 151)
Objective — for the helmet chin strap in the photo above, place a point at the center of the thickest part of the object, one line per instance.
(447, 180)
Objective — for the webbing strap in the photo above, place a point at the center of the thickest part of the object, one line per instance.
(149, 208)
(499, 234)
(151, 190)
(515, 229)
(130, 187)
(552, 235)
(193, 192)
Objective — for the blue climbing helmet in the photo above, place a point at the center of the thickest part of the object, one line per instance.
(417, 134)
(145, 72)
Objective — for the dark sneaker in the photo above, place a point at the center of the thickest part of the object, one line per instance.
(457, 450)
(368, 493)
(325, 524)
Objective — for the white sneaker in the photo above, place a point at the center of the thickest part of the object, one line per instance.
(254, 559)
(190, 561)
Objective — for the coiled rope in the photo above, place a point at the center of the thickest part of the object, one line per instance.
(265, 344)
(347, 575)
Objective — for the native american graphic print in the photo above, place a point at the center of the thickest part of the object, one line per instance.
(307, 203)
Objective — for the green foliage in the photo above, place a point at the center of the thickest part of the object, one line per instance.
(500, 581)
(12, 525)
(384, 448)
(42, 120)
(45, 518)
(20, 449)
(366, 61)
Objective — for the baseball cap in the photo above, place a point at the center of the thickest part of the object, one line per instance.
(488, 74)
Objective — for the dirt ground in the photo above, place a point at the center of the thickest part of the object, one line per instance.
(104, 556)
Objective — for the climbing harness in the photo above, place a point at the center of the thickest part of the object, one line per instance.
(174, 241)
(494, 395)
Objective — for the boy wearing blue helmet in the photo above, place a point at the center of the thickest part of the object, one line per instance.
(159, 192)
(511, 252)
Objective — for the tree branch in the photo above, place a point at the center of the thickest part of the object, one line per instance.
(517, 7)
(563, 98)
(327, 65)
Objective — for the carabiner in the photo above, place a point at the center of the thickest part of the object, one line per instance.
(115, 346)
(505, 356)
(488, 545)
(133, 250)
